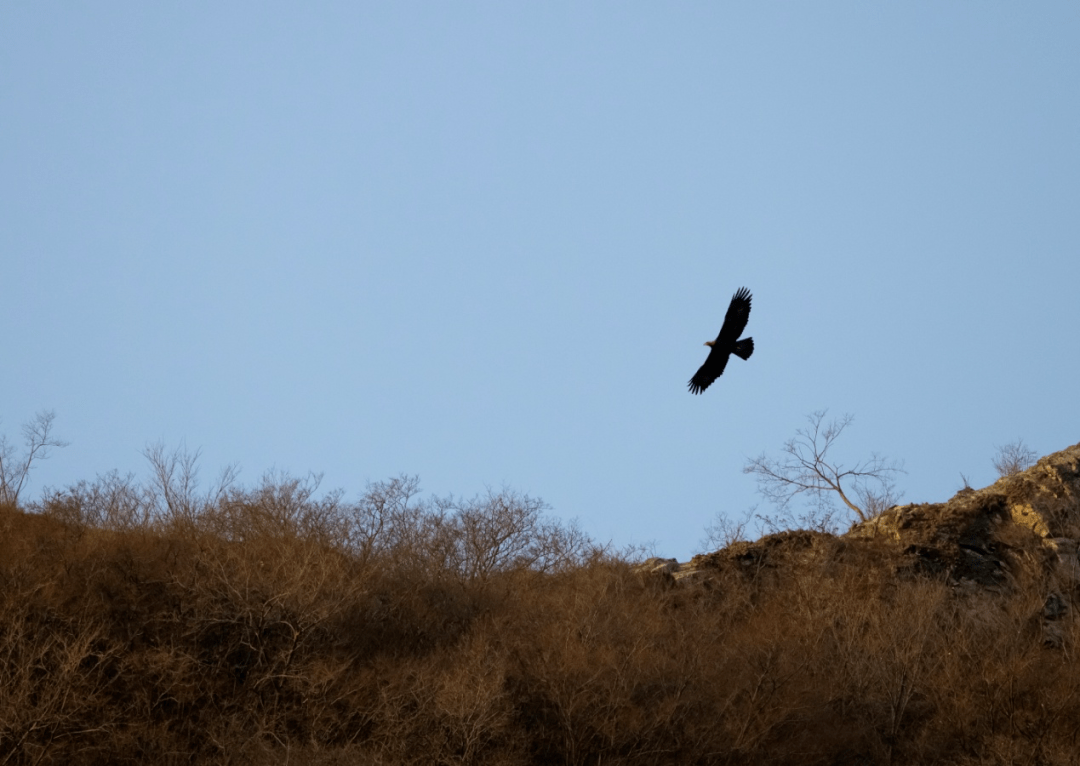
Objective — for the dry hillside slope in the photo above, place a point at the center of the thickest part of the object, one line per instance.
(271, 627)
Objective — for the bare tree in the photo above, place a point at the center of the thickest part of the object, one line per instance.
(386, 517)
(468, 539)
(175, 483)
(725, 531)
(14, 470)
(806, 467)
(501, 531)
(1014, 458)
(111, 501)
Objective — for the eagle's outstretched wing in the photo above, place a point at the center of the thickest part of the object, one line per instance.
(738, 314)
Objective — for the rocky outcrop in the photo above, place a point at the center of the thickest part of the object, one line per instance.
(1023, 530)
(668, 569)
(1021, 527)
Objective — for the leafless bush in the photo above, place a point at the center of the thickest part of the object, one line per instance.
(175, 483)
(820, 515)
(724, 530)
(807, 468)
(15, 470)
(111, 502)
(54, 678)
(469, 540)
(498, 532)
(281, 625)
(281, 506)
(385, 518)
(1014, 458)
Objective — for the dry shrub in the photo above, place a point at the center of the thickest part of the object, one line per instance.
(278, 625)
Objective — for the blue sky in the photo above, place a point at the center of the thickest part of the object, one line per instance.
(484, 242)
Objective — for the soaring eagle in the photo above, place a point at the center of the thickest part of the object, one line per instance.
(726, 343)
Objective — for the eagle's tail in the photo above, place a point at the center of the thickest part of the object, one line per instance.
(744, 348)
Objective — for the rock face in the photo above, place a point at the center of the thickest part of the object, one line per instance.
(1022, 526)
(1022, 530)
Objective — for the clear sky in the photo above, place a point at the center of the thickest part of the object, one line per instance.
(483, 243)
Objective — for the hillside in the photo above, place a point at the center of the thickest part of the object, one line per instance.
(271, 626)
(1019, 534)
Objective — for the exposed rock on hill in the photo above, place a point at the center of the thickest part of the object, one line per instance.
(1022, 526)
(1023, 529)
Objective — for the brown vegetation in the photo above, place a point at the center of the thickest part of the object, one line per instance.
(274, 625)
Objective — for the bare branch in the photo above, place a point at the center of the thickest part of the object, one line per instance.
(38, 440)
(175, 483)
(1014, 458)
(806, 467)
(724, 531)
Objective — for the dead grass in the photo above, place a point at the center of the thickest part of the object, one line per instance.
(274, 626)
